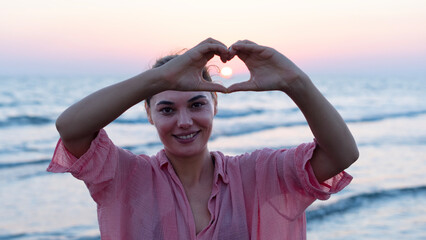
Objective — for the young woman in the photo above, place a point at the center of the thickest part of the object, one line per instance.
(185, 191)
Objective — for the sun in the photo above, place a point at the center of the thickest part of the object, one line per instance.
(226, 72)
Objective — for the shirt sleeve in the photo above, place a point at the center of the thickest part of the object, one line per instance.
(286, 182)
(96, 167)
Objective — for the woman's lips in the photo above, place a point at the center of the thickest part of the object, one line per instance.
(186, 136)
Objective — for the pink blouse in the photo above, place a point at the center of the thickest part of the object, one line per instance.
(258, 195)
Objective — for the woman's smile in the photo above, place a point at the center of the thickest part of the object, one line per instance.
(186, 138)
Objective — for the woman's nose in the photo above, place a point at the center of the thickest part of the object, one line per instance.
(184, 119)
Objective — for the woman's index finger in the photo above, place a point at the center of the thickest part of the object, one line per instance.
(215, 48)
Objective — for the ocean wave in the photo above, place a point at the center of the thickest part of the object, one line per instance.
(48, 236)
(25, 120)
(131, 120)
(9, 104)
(13, 236)
(21, 164)
(360, 200)
(237, 128)
(384, 116)
(77, 232)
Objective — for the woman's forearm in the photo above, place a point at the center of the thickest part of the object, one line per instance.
(326, 124)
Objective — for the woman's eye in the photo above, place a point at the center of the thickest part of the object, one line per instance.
(166, 110)
(197, 105)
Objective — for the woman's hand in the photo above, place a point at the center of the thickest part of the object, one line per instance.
(269, 69)
(184, 73)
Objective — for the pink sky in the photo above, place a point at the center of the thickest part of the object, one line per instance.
(51, 37)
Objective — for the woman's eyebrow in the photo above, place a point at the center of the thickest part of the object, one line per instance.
(196, 98)
(164, 103)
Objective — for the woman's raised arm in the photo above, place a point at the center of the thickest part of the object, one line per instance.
(270, 70)
(78, 125)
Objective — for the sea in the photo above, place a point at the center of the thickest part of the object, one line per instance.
(386, 114)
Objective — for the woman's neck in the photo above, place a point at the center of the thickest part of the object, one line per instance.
(193, 170)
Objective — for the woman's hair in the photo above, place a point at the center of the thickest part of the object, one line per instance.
(160, 62)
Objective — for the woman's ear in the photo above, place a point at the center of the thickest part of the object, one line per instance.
(148, 113)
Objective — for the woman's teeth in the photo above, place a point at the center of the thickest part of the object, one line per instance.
(187, 136)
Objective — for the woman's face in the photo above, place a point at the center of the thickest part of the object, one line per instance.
(184, 121)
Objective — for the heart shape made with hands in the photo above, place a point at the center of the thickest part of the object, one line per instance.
(269, 69)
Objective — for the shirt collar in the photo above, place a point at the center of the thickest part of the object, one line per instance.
(219, 167)
(219, 164)
(162, 158)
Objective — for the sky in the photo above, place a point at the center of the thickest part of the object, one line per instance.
(102, 37)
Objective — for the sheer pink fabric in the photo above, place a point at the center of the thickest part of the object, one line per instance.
(259, 195)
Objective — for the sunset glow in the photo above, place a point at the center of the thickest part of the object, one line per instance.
(107, 37)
